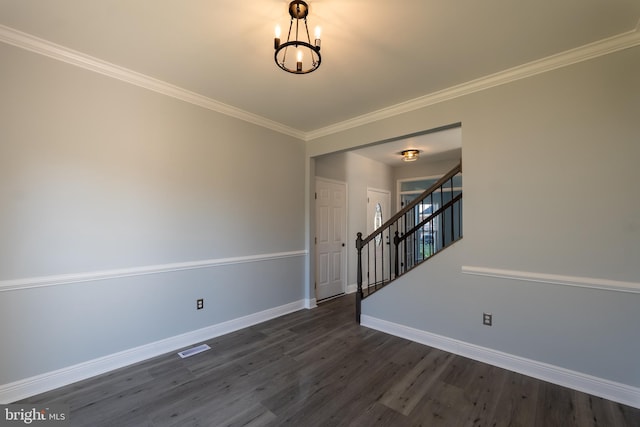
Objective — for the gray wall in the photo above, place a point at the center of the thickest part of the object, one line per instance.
(550, 185)
(96, 175)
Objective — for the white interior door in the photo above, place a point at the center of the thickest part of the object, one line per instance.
(378, 212)
(331, 233)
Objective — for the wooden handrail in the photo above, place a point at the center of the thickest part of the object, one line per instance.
(453, 172)
(430, 217)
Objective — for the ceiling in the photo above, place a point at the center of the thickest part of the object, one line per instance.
(375, 53)
(436, 146)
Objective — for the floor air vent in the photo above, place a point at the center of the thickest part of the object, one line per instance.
(194, 350)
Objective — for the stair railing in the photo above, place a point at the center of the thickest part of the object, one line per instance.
(424, 227)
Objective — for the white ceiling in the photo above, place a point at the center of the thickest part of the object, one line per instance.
(376, 53)
(433, 146)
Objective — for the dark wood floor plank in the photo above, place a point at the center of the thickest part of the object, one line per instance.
(363, 394)
(319, 368)
(622, 415)
(380, 416)
(405, 394)
(316, 391)
(561, 406)
(254, 416)
(221, 389)
(445, 405)
(516, 405)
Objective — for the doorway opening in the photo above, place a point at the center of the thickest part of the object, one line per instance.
(379, 166)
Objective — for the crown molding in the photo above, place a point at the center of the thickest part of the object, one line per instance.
(593, 50)
(563, 59)
(61, 53)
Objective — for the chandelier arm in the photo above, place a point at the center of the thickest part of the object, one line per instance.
(284, 57)
(307, 28)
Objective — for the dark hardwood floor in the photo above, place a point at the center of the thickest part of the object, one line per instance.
(319, 368)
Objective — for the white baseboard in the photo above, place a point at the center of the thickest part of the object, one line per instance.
(310, 303)
(352, 289)
(618, 392)
(51, 380)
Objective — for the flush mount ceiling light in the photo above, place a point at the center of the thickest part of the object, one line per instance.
(303, 57)
(410, 155)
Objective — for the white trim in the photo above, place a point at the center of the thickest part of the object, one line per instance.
(400, 193)
(399, 183)
(555, 279)
(332, 181)
(51, 380)
(379, 190)
(420, 178)
(411, 192)
(310, 303)
(593, 50)
(607, 389)
(583, 53)
(65, 279)
(61, 53)
(352, 288)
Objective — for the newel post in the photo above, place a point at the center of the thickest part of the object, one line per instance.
(359, 294)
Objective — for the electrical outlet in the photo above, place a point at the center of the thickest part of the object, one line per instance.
(487, 319)
(199, 304)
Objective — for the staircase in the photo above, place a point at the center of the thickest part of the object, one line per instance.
(424, 227)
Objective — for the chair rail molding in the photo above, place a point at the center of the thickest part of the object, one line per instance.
(554, 279)
(65, 279)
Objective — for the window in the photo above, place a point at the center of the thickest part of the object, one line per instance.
(429, 238)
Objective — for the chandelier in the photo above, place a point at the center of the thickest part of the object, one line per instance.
(305, 57)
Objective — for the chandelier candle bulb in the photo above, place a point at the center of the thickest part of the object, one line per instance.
(317, 37)
(299, 63)
(276, 40)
